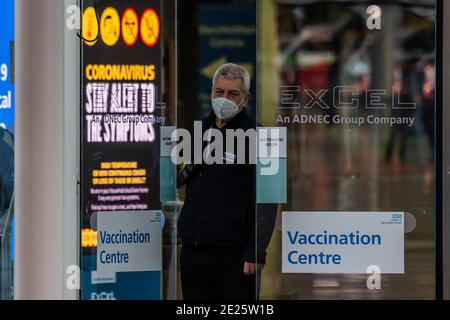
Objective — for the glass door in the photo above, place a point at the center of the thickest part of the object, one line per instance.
(354, 86)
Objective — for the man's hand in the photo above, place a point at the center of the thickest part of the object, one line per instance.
(250, 268)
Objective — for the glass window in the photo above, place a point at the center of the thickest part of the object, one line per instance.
(6, 147)
(363, 82)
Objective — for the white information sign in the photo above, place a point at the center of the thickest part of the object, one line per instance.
(129, 241)
(342, 242)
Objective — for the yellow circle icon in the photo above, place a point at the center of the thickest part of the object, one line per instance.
(150, 27)
(110, 26)
(89, 26)
(130, 27)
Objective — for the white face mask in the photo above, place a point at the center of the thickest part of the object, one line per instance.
(225, 109)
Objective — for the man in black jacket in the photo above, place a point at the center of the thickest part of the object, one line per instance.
(224, 236)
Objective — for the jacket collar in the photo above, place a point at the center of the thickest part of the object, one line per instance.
(235, 123)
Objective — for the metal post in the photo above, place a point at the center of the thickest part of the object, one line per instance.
(46, 229)
(446, 151)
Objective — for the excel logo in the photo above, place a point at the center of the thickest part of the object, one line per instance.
(103, 295)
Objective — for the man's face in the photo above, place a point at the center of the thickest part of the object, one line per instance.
(232, 90)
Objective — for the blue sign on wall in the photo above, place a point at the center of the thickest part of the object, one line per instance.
(119, 285)
(7, 107)
(6, 80)
(226, 34)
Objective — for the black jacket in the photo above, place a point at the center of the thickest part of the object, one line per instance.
(220, 204)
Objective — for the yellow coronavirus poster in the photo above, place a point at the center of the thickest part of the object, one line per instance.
(121, 120)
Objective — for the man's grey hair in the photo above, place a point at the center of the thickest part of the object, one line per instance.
(231, 71)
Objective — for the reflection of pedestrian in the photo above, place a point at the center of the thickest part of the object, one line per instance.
(428, 93)
(428, 120)
(219, 258)
(399, 132)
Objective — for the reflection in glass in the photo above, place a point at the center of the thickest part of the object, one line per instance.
(340, 166)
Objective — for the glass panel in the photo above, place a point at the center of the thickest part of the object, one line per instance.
(348, 151)
(6, 148)
(217, 203)
(128, 73)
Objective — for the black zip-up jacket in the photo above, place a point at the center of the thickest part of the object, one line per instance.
(220, 205)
